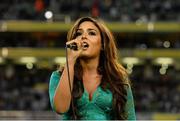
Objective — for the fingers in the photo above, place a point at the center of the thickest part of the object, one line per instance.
(77, 42)
(73, 53)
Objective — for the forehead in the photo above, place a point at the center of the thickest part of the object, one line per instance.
(87, 25)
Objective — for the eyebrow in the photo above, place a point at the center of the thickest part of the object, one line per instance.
(89, 29)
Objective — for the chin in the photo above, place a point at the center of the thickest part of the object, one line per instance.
(85, 53)
(86, 56)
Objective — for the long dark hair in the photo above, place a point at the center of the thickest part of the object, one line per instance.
(114, 76)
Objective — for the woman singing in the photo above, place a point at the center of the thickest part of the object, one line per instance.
(100, 86)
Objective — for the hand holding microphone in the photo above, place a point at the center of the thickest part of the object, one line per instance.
(75, 49)
(74, 45)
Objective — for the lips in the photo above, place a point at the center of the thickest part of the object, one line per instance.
(85, 45)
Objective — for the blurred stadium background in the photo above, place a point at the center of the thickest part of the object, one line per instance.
(32, 41)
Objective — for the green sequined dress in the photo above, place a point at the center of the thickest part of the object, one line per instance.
(99, 108)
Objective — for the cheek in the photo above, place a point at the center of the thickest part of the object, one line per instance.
(96, 47)
(97, 42)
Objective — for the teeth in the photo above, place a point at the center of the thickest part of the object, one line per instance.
(85, 45)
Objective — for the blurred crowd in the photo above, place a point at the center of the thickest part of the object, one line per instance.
(110, 10)
(58, 40)
(24, 89)
(27, 89)
(155, 92)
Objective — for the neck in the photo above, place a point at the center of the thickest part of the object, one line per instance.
(90, 65)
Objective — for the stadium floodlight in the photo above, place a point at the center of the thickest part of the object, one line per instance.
(166, 44)
(48, 15)
(130, 60)
(1, 60)
(60, 60)
(29, 65)
(150, 26)
(164, 60)
(5, 52)
(28, 60)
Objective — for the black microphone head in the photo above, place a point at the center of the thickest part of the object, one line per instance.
(72, 46)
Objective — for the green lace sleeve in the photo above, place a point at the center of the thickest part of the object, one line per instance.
(54, 80)
(130, 109)
(53, 83)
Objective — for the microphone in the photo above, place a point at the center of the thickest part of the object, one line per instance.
(74, 46)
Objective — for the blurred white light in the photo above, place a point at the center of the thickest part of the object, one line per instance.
(3, 26)
(141, 20)
(67, 19)
(1, 60)
(130, 60)
(138, 23)
(48, 14)
(164, 60)
(5, 52)
(130, 65)
(29, 65)
(165, 66)
(143, 46)
(60, 60)
(166, 44)
(162, 71)
(150, 27)
(129, 70)
(28, 60)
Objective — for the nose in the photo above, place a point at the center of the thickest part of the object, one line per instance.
(84, 36)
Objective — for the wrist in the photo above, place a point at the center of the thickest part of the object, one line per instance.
(71, 61)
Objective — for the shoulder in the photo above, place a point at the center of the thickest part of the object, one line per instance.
(55, 76)
(57, 73)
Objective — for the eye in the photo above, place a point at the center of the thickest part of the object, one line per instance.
(78, 34)
(92, 33)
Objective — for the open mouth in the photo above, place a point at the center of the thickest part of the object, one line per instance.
(85, 45)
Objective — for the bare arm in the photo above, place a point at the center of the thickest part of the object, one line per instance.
(62, 97)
